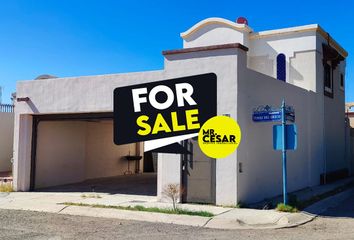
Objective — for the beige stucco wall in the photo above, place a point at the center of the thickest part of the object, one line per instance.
(351, 121)
(73, 151)
(103, 157)
(6, 140)
(60, 153)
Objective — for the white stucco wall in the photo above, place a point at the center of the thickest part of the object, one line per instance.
(6, 141)
(215, 34)
(334, 114)
(68, 98)
(261, 175)
(299, 50)
(168, 172)
(22, 151)
(225, 64)
(63, 95)
(215, 31)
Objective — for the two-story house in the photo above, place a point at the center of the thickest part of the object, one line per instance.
(64, 133)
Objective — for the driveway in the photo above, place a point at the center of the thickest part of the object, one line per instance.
(135, 184)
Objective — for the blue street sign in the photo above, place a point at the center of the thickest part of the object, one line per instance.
(269, 114)
(290, 135)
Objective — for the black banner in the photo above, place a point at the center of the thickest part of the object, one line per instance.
(162, 109)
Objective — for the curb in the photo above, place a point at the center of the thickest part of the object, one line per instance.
(289, 221)
(236, 220)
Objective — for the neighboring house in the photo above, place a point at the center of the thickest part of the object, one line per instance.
(63, 126)
(6, 137)
(349, 109)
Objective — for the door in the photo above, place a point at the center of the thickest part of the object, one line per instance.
(198, 174)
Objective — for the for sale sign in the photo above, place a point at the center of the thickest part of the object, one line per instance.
(162, 109)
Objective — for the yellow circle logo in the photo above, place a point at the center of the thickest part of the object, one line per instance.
(219, 137)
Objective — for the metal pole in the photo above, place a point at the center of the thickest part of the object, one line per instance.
(283, 124)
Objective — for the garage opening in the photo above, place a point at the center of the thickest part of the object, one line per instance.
(76, 153)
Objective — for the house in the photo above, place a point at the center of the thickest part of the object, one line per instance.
(64, 133)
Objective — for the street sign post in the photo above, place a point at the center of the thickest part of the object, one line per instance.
(285, 181)
(284, 136)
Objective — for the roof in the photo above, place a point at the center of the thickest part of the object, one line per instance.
(205, 48)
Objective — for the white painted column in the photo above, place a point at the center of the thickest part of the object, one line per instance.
(168, 172)
(22, 152)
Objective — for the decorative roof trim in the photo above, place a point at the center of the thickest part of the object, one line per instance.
(308, 28)
(206, 48)
(209, 21)
(332, 42)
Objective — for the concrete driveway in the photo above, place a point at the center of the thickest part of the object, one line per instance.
(136, 184)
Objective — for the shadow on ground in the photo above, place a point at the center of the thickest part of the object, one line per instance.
(136, 184)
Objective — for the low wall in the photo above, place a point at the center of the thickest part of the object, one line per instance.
(6, 140)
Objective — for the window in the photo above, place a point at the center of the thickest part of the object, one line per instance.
(281, 67)
(342, 81)
(328, 82)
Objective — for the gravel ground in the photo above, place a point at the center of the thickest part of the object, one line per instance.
(337, 223)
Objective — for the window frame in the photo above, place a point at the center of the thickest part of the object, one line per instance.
(341, 82)
(328, 91)
(281, 62)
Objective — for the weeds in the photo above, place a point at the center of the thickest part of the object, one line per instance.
(6, 187)
(91, 195)
(144, 209)
(281, 207)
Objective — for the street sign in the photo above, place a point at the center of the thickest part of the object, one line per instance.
(281, 133)
(270, 114)
(290, 137)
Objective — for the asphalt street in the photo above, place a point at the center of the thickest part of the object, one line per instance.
(336, 223)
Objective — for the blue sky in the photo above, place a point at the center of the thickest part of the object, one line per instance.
(83, 37)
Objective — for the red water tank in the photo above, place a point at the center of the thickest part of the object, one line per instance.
(242, 20)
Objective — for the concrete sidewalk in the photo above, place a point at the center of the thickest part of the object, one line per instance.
(225, 218)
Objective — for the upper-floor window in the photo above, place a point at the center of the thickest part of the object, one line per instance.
(328, 81)
(281, 67)
(341, 81)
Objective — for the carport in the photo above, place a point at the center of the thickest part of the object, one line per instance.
(76, 153)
